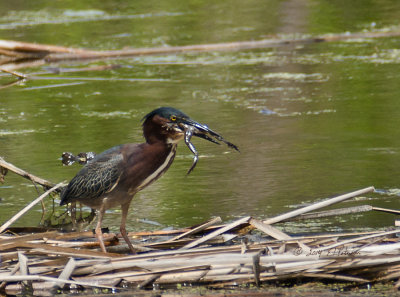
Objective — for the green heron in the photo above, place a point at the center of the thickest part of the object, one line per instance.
(113, 177)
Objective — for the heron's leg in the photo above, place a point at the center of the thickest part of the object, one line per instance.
(98, 232)
(73, 215)
(125, 208)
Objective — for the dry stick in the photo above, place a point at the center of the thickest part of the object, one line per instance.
(41, 202)
(28, 207)
(393, 211)
(317, 205)
(17, 74)
(27, 47)
(197, 229)
(29, 237)
(217, 232)
(58, 250)
(25, 174)
(11, 53)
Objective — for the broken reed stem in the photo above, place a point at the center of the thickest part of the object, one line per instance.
(317, 205)
(28, 207)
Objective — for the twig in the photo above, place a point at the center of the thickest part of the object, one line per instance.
(11, 53)
(317, 205)
(6, 240)
(17, 74)
(41, 203)
(393, 211)
(217, 232)
(25, 174)
(28, 47)
(28, 207)
(197, 229)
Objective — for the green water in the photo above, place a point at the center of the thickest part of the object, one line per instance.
(312, 121)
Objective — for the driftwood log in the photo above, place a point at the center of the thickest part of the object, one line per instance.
(17, 54)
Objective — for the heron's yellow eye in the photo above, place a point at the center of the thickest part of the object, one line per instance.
(173, 118)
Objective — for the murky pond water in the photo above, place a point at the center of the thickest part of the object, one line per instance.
(311, 121)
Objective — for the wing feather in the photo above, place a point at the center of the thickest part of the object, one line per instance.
(97, 177)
